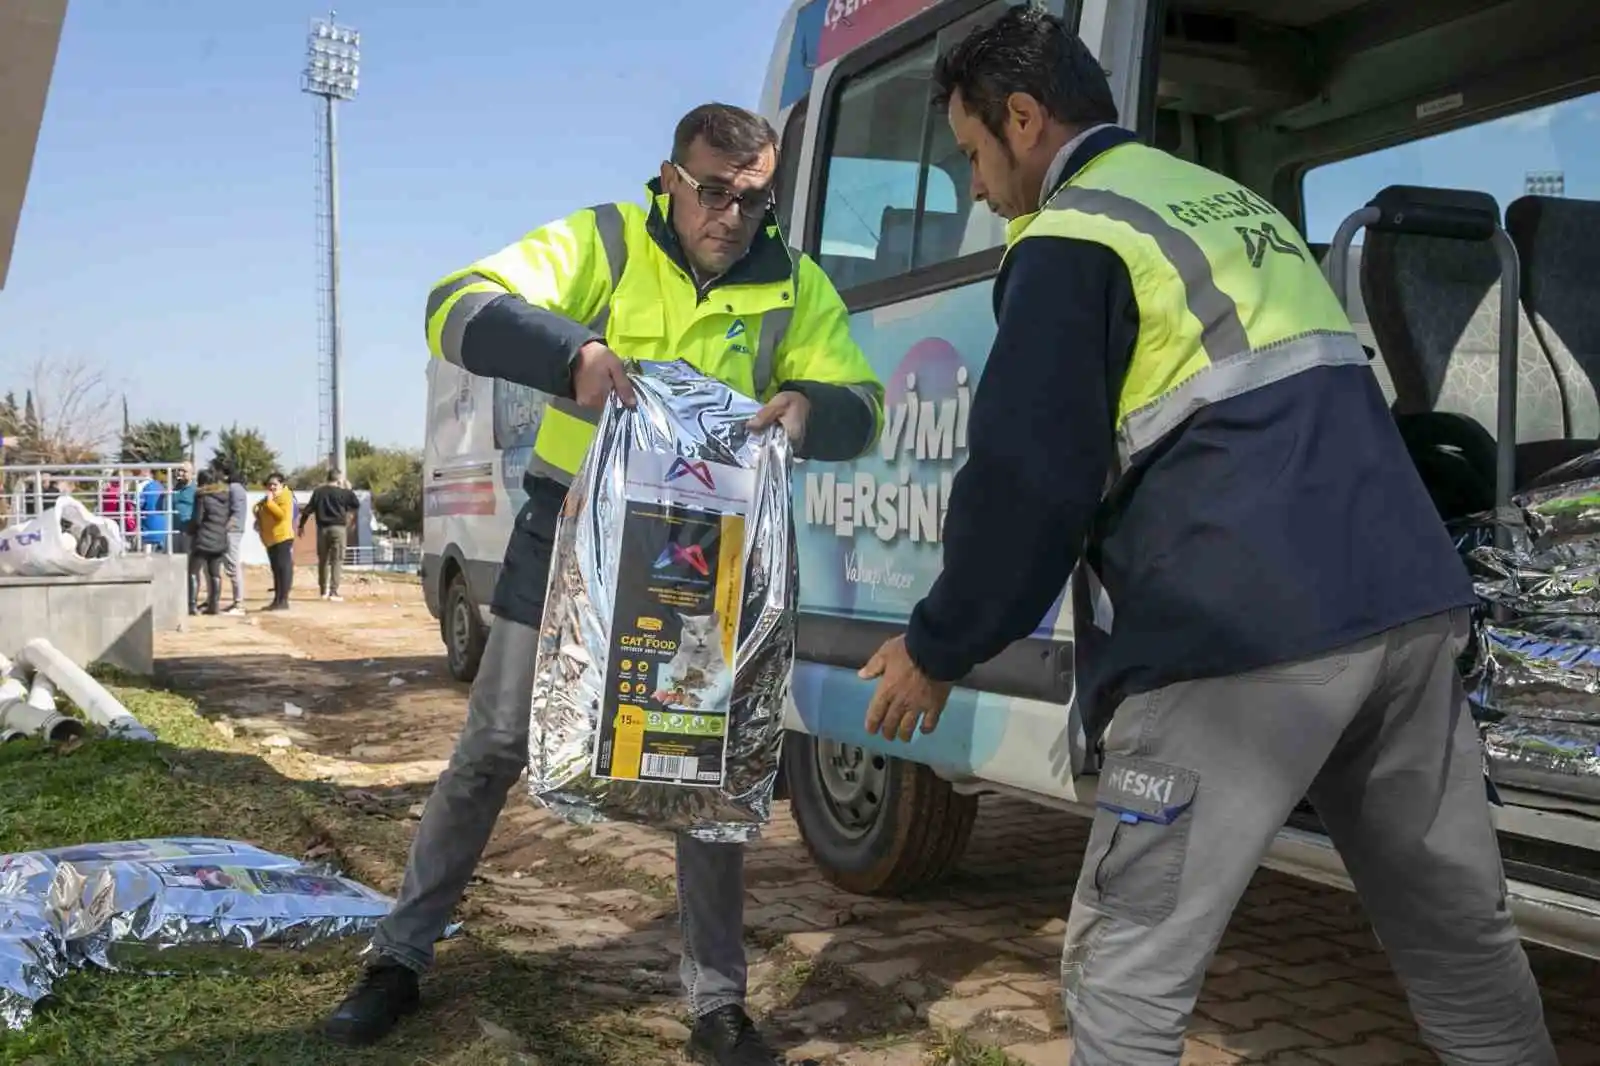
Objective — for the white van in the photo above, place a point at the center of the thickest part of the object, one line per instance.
(1327, 95)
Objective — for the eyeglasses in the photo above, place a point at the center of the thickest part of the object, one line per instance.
(752, 205)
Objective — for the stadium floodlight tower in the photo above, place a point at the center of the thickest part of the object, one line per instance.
(1545, 183)
(333, 66)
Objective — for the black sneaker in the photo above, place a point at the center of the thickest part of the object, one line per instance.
(727, 1037)
(386, 993)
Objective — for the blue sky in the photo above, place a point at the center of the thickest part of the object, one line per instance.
(168, 234)
(1492, 157)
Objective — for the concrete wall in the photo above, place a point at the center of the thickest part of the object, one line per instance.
(169, 591)
(109, 617)
(254, 553)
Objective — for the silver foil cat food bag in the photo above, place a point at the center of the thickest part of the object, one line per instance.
(41, 899)
(32, 952)
(196, 901)
(669, 626)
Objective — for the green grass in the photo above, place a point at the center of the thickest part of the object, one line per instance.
(955, 1049)
(267, 1007)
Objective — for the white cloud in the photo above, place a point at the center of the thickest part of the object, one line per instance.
(1537, 119)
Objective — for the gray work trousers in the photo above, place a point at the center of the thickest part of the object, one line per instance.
(233, 566)
(1198, 778)
(460, 814)
(330, 558)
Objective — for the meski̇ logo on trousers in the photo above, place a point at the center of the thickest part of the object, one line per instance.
(693, 556)
(698, 470)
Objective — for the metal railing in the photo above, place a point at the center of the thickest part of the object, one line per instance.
(120, 492)
(397, 556)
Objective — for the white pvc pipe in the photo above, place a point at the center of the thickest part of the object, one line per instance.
(37, 715)
(101, 706)
(12, 693)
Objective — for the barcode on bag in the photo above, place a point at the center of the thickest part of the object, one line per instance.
(677, 767)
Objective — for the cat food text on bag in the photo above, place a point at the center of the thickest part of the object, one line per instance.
(668, 692)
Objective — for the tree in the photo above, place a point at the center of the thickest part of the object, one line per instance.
(305, 478)
(357, 448)
(152, 441)
(68, 414)
(194, 435)
(246, 452)
(394, 477)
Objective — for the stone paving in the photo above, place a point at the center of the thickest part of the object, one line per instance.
(1299, 979)
(967, 965)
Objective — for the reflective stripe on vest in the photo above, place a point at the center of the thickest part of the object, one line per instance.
(1297, 322)
(558, 453)
(564, 430)
(774, 326)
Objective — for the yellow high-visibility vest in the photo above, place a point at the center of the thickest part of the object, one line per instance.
(601, 266)
(1230, 298)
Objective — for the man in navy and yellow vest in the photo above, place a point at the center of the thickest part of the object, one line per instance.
(698, 272)
(1268, 607)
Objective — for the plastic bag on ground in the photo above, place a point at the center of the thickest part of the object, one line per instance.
(66, 539)
(669, 626)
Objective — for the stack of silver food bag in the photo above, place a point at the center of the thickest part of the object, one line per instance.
(1533, 671)
(161, 904)
(669, 626)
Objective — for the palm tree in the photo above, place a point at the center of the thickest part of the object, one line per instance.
(196, 434)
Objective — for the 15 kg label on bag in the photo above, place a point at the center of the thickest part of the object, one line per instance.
(675, 625)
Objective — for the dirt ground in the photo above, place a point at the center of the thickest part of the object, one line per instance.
(967, 973)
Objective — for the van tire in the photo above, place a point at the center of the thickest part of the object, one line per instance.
(914, 834)
(461, 629)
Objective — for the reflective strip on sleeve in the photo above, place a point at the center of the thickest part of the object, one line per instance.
(774, 327)
(608, 223)
(871, 394)
(451, 306)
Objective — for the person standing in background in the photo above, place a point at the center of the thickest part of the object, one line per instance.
(183, 490)
(233, 562)
(206, 529)
(275, 523)
(334, 506)
(155, 528)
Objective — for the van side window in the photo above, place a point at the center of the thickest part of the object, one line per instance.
(896, 190)
(1430, 305)
(794, 132)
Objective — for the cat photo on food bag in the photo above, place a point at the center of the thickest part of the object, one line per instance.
(697, 675)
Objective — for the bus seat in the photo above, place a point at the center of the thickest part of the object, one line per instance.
(1356, 307)
(940, 238)
(1434, 308)
(1556, 241)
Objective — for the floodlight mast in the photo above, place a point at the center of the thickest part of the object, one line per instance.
(333, 66)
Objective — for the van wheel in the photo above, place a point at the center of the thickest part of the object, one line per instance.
(463, 631)
(875, 825)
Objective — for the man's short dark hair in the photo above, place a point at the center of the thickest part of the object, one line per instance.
(1025, 50)
(727, 130)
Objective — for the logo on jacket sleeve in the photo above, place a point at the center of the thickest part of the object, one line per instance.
(698, 470)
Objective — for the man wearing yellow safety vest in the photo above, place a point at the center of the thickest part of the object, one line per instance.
(699, 272)
(1269, 607)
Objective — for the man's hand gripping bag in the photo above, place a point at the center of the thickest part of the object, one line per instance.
(669, 625)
